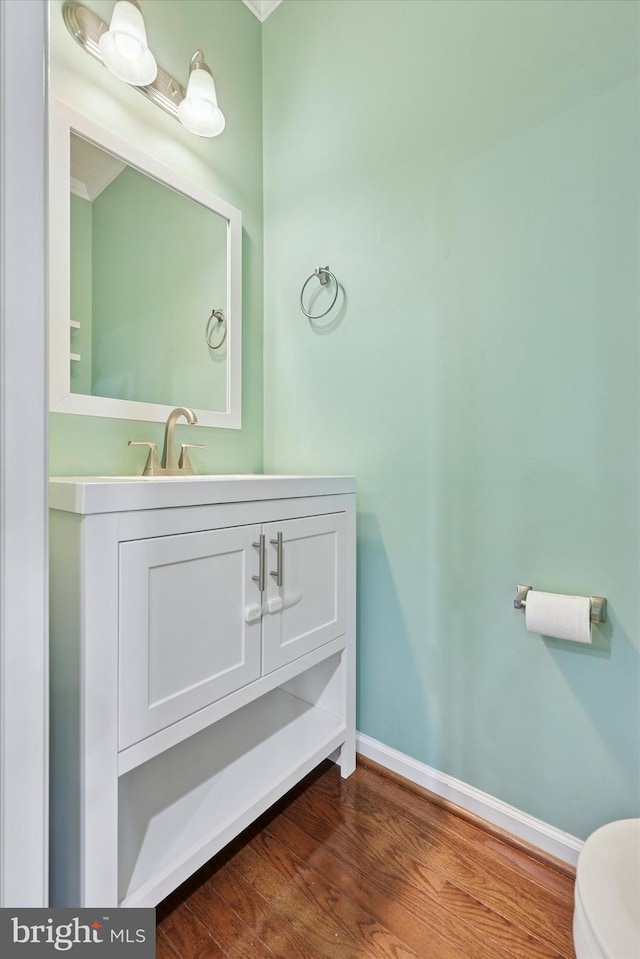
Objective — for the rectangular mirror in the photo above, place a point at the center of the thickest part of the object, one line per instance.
(145, 283)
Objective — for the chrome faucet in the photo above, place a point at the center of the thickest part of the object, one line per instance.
(170, 465)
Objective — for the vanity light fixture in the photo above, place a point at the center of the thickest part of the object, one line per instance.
(199, 111)
(122, 47)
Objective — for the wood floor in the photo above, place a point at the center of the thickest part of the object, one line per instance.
(364, 868)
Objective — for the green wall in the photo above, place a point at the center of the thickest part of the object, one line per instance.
(229, 165)
(469, 171)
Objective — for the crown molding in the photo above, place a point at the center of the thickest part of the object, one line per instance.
(92, 187)
(262, 8)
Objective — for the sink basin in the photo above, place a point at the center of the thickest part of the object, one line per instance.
(112, 494)
(206, 477)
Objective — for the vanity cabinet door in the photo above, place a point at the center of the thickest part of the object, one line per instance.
(184, 641)
(308, 608)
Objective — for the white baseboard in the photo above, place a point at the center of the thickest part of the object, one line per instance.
(554, 841)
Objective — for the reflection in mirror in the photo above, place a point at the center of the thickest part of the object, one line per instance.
(147, 267)
(144, 283)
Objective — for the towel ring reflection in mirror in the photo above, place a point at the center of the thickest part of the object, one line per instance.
(323, 273)
(211, 328)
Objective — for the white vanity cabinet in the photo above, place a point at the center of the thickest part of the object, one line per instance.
(202, 662)
(195, 624)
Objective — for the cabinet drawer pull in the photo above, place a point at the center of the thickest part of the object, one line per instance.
(278, 573)
(261, 547)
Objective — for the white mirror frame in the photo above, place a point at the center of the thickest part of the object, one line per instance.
(63, 121)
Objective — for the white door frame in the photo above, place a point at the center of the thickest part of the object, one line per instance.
(23, 457)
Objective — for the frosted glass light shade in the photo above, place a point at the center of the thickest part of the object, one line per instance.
(199, 111)
(124, 48)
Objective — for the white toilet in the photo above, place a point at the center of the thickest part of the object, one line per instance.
(606, 917)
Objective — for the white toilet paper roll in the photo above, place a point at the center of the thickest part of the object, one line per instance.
(553, 614)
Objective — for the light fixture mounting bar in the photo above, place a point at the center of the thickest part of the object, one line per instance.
(86, 28)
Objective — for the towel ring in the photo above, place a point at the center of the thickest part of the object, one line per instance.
(323, 273)
(219, 317)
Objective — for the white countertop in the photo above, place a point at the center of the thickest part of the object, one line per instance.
(115, 494)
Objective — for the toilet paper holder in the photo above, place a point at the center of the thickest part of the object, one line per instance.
(598, 604)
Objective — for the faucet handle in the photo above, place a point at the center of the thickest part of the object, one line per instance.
(152, 466)
(184, 462)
